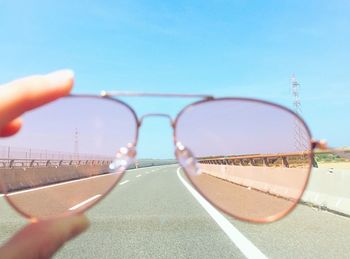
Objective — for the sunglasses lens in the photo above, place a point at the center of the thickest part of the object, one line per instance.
(67, 155)
(252, 158)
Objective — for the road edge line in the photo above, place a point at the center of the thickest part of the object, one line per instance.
(241, 242)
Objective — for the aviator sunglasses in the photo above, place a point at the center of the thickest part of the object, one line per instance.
(249, 158)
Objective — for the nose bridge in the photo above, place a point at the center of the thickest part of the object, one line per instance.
(184, 155)
(164, 115)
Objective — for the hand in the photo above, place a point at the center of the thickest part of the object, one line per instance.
(43, 238)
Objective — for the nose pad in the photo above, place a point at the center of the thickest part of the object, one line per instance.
(123, 159)
(187, 160)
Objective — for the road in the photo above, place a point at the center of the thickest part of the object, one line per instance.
(151, 214)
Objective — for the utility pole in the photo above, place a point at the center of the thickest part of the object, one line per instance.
(300, 138)
(76, 144)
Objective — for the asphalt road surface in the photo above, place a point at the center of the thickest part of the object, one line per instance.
(154, 213)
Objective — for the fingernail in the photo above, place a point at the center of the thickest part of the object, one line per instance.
(60, 78)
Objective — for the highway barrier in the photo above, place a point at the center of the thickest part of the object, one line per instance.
(20, 174)
(24, 178)
(279, 181)
(327, 188)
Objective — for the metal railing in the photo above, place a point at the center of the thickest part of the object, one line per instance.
(269, 160)
(17, 157)
(283, 159)
(29, 163)
(11, 152)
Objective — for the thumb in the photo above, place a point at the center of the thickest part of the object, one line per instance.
(43, 238)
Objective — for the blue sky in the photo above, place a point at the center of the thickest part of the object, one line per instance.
(234, 48)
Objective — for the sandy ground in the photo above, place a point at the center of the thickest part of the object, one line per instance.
(337, 165)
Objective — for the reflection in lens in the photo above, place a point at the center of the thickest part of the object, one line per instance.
(67, 155)
(254, 158)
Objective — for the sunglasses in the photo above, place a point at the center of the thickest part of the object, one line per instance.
(249, 158)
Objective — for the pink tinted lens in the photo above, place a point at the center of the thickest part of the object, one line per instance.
(253, 158)
(67, 155)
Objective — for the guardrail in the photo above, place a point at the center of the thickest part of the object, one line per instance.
(6, 163)
(12, 152)
(283, 159)
(29, 163)
(286, 160)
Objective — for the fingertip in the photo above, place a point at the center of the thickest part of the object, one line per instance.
(61, 79)
(11, 128)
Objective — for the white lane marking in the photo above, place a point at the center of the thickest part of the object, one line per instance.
(124, 182)
(84, 202)
(58, 184)
(242, 243)
(138, 175)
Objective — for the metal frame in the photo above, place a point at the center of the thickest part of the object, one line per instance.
(111, 96)
(166, 95)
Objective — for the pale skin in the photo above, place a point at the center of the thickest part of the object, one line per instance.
(40, 239)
